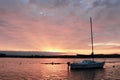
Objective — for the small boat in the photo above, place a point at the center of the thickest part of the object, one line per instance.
(88, 64)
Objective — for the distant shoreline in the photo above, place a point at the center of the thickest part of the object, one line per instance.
(61, 56)
(37, 54)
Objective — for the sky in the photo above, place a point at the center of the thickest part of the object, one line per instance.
(60, 25)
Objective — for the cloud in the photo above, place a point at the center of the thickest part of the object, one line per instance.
(50, 4)
(13, 6)
(35, 24)
(106, 9)
(102, 8)
(3, 23)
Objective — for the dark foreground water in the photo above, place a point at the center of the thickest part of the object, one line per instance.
(32, 69)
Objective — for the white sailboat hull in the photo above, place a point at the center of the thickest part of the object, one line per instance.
(93, 65)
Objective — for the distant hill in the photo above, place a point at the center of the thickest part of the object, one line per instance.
(36, 54)
(27, 53)
(100, 56)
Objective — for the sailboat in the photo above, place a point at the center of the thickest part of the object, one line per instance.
(88, 64)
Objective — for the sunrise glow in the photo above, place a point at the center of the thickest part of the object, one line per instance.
(53, 50)
(59, 26)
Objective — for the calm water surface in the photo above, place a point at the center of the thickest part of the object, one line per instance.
(32, 69)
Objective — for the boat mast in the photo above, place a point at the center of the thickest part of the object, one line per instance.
(92, 54)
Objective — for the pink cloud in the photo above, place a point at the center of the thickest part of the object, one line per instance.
(62, 24)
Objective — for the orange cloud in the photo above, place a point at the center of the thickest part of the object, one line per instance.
(58, 25)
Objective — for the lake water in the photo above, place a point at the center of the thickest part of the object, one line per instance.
(32, 69)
